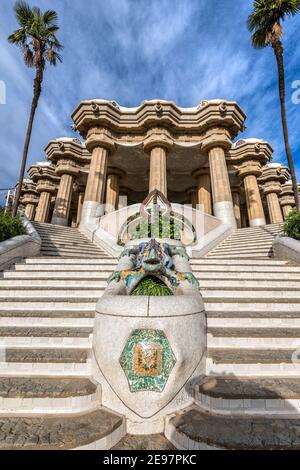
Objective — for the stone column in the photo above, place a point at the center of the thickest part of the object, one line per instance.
(237, 206)
(79, 208)
(193, 197)
(30, 203)
(112, 190)
(271, 191)
(287, 200)
(204, 190)
(249, 171)
(42, 211)
(158, 170)
(63, 200)
(30, 211)
(100, 144)
(216, 143)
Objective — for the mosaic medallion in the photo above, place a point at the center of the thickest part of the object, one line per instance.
(147, 360)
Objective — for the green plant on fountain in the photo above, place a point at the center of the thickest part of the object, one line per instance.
(151, 285)
(292, 225)
(162, 227)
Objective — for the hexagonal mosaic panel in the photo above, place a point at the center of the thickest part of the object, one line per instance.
(147, 360)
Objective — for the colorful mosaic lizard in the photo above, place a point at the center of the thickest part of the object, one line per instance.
(156, 259)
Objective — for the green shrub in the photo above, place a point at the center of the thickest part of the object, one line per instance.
(292, 225)
(167, 228)
(10, 226)
(151, 285)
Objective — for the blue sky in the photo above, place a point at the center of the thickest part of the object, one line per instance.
(132, 50)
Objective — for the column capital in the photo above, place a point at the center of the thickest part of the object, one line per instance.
(66, 167)
(287, 201)
(100, 137)
(157, 137)
(30, 199)
(216, 137)
(250, 167)
(272, 187)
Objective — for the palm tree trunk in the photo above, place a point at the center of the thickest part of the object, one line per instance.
(278, 51)
(37, 89)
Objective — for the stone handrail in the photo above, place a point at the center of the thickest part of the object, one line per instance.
(20, 247)
(287, 248)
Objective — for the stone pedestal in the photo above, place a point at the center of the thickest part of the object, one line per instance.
(147, 352)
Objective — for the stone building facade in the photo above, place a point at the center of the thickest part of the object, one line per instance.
(186, 153)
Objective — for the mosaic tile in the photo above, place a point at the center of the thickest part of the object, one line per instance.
(147, 360)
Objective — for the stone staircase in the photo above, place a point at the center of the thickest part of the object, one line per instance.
(47, 398)
(250, 397)
(255, 242)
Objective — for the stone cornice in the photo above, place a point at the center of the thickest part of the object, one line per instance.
(159, 113)
(275, 174)
(249, 150)
(69, 149)
(44, 176)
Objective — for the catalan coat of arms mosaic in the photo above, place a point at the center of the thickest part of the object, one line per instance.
(147, 360)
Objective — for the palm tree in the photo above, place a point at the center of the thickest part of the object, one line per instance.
(265, 24)
(37, 39)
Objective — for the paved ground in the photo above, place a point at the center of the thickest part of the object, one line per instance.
(151, 442)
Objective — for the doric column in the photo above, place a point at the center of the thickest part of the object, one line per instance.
(215, 144)
(99, 144)
(237, 206)
(157, 144)
(203, 190)
(123, 197)
(193, 197)
(63, 201)
(112, 189)
(287, 200)
(42, 211)
(273, 205)
(79, 207)
(29, 199)
(249, 171)
(274, 175)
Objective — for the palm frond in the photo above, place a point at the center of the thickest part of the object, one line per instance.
(18, 37)
(53, 57)
(50, 17)
(23, 13)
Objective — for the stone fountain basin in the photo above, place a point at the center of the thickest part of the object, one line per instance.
(182, 320)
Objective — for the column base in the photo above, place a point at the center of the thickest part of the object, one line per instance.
(257, 222)
(224, 211)
(91, 210)
(59, 221)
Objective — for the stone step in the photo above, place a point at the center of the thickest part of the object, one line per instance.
(242, 284)
(82, 248)
(250, 356)
(36, 284)
(61, 332)
(253, 342)
(69, 261)
(46, 355)
(234, 250)
(97, 430)
(43, 303)
(63, 268)
(48, 310)
(249, 395)
(245, 269)
(47, 322)
(46, 369)
(237, 262)
(245, 296)
(255, 256)
(47, 395)
(194, 429)
(228, 322)
(247, 332)
(39, 293)
(53, 275)
(218, 277)
(66, 254)
(253, 311)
